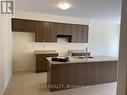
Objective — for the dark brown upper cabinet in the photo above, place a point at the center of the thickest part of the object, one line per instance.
(85, 34)
(30, 26)
(45, 32)
(82, 35)
(18, 25)
(23, 25)
(60, 29)
(54, 30)
(48, 31)
(79, 33)
(67, 29)
(39, 34)
(74, 33)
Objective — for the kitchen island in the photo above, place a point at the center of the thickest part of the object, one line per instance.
(78, 72)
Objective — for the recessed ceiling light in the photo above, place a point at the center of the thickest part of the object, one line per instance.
(64, 5)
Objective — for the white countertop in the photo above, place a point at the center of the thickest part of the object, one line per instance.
(45, 51)
(77, 60)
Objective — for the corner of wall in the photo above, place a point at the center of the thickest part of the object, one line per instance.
(5, 53)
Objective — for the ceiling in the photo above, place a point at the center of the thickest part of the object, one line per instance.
(107, 10)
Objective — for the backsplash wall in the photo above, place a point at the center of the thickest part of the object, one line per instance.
(62, 46)
(25, 45)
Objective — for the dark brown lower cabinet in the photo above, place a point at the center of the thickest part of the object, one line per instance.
(101, 72)
(41, 62)
(66, 76)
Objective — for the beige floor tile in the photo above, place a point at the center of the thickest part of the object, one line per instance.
(27, 83)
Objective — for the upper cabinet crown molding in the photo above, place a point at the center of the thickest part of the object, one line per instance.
(48, 31)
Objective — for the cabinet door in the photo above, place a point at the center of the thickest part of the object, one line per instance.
(45, 32)
(101, 72)
(67, 29)
(41, 61)
(85, 33)
(78, 74)
(79, 34)
(24, 25)
(60, 29)
(68, 74)
(74, 33)
(18, 25)
(39, 35)
(54, 30)
(30, 26)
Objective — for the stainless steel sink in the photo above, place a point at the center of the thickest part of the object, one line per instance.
(83, 57)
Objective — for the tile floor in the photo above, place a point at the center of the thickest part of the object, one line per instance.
(27, 83)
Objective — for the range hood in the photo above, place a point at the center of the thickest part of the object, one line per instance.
(64, 36)
(68, 37)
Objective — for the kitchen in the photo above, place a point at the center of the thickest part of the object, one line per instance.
(31, 49)
(99, 43)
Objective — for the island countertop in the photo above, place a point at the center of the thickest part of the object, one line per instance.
(85, 72)
(78, 60)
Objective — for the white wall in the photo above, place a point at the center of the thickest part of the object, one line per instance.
(5, 52)
(7, 49)
(103, 40)
(1, 59)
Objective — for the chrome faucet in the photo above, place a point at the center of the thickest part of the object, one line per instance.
(87, 53)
